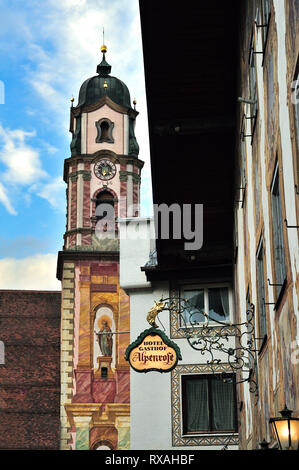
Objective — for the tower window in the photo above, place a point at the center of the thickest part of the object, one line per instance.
(104, 127)
(105, 210)
(104, 130)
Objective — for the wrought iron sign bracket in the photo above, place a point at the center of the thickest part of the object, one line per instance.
(212, 339)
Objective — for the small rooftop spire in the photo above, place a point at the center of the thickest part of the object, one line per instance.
(103, 69)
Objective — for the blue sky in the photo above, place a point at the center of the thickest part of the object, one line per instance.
(47, 49)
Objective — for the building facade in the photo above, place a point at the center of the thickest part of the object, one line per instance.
(103, 180)
(267, 209)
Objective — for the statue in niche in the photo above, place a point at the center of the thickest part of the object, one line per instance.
(105, 339)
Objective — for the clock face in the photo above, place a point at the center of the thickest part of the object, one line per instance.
(105, 169)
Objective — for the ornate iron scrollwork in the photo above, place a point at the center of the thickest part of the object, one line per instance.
(212, 337)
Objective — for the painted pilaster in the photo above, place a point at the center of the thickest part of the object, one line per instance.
(82, 432)
(122, 424)
(83, 133)
(126, 134)
(80, 202)
(130, 190)
(66, 360)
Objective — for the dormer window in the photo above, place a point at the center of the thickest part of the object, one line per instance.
(104, 127)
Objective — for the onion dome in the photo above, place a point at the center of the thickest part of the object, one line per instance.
(103, 84)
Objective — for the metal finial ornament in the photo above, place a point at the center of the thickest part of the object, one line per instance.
(153, 312)
(134, 103)
(72, 100)
(103, 47)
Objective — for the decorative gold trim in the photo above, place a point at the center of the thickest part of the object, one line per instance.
(100, 414)
(101, 102)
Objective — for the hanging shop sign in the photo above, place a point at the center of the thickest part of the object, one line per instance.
(153, 351)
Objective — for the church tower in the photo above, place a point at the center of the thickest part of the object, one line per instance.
(103, 183)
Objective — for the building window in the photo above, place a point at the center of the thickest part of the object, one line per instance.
(104, 127)
(277, 225)
(261, 292)
(257, 191)
(243, 161)
(296, 104)
(213, 300)
(265, 19)
(252, 85)
(105, 211)
(208, 404)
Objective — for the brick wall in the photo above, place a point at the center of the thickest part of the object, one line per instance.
(30, 377)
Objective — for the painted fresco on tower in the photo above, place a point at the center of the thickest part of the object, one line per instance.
(103, 178)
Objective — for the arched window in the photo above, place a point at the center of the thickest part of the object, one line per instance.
(103, 445)
(104, 127)
(105, 208)
(104, 130)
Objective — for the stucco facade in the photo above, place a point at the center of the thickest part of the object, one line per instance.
(269, 152)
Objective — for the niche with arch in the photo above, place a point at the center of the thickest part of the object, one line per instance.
(104, 314)
(104, 127)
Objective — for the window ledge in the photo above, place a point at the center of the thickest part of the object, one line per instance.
(212, 434)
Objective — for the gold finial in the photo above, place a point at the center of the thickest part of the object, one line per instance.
(72, 100)
(134, 102)
(103, 47)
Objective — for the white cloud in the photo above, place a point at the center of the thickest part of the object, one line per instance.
(4, 199)
(54, 193)
(65, 46)
(62, 42)
(23, 165)
(36, 272)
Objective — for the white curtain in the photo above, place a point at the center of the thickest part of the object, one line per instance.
(223, 405)
(197, 405)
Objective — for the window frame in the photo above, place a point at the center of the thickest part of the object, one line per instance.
(108, 138)
(261, 291)
(196, 286)
(211, 431)
(253, 91)
(265, 21)
(277, 226)
(295, 93)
